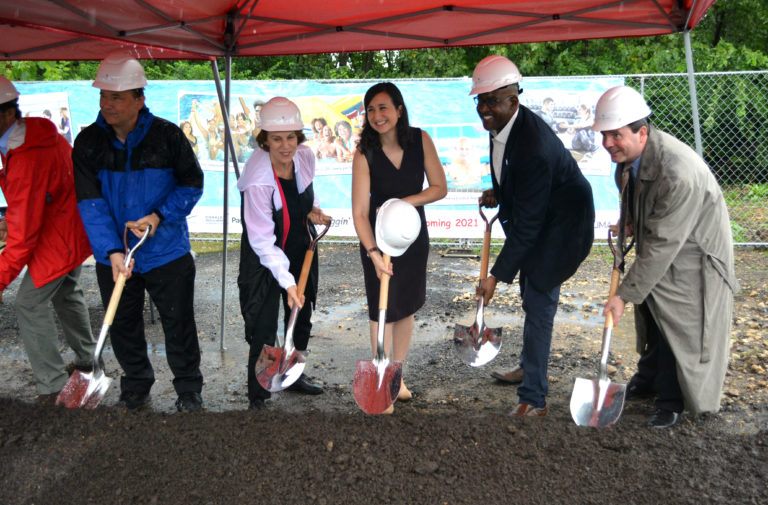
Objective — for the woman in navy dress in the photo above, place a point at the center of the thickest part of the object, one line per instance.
(392, 161)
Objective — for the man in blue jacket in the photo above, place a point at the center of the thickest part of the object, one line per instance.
(546, 210)
(132, 166)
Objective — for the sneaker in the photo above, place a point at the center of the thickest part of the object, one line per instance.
(663, 419)
(133, 400)
(189, 401)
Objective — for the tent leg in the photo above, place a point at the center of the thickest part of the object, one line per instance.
(692, 89)
(224, 102)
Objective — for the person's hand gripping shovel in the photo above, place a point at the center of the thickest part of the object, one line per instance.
(377, 381)
(83, 389)
(478, 344)
(598, 403)
(280, 366)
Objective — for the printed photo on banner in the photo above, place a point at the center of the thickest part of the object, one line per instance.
(52, 106)
(568, 107)
(332, 126)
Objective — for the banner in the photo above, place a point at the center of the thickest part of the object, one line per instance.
(332, 112)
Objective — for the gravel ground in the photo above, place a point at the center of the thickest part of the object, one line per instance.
(454, 443)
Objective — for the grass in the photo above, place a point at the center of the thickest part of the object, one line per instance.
(747, 209)
(216, 244)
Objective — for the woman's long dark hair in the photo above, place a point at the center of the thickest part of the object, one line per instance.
(369, 138)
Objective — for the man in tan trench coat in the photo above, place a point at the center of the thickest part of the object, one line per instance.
(682, 280)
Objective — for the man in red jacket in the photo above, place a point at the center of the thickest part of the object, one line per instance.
(42, 230)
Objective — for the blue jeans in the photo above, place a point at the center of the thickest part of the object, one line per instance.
(540, 308)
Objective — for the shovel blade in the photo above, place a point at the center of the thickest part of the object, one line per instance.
(374, 392)
(83, 390)
(475, 347)
(597, 403)
(276, 371)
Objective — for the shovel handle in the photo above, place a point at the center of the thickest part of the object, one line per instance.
(304, 275)
(486, 242)
(113, 301)
(611, 293)
(485, 255)
(305, 272)
(384, 288)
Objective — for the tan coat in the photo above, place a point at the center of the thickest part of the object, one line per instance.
(683, 266)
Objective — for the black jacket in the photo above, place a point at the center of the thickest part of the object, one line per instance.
(545, 206)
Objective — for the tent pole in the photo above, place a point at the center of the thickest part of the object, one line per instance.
(224, 102)
(225, 220)
(692, 89)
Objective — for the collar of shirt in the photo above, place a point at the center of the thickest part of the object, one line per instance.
(4, 139)
(635, 165)
(499, 142)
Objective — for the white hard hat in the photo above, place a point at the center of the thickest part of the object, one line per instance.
(120, 72)
(397, 226)
(619, 107)
(8, 91)
(494, 72)
(280, 115)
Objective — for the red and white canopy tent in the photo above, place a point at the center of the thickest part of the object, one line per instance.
(208, 29)
(195, 29)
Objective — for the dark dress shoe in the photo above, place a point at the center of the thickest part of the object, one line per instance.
(306, 386)
(514, 376)
(664, 418)
(525, 410)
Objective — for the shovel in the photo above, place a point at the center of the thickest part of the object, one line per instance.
(598, 403)
(478, 344)
(86, 389)
(279, 367)
(377, 382)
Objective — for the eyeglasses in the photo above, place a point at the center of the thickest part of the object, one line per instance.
(490, 101)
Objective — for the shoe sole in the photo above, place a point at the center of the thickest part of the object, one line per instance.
(503, 379)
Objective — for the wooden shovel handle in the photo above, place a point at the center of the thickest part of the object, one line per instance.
(611, 293)
(305, 272)
(113, 301)
(485, 255)
(384, 289)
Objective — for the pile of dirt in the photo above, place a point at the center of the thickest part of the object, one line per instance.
(455, 442)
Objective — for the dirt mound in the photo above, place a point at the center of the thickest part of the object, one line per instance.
(455, 442)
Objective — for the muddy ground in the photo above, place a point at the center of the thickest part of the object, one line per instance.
(454, 443)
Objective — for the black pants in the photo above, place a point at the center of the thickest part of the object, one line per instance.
(261, 329)
(657, 366)
(172, 289)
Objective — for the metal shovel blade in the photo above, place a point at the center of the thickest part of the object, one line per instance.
(277, 369)
(376, 385)
(478, 344)
(597, 403)
(84, 390)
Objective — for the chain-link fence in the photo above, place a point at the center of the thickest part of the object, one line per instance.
(733, 115)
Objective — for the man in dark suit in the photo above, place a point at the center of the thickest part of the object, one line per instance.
(546, 210)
